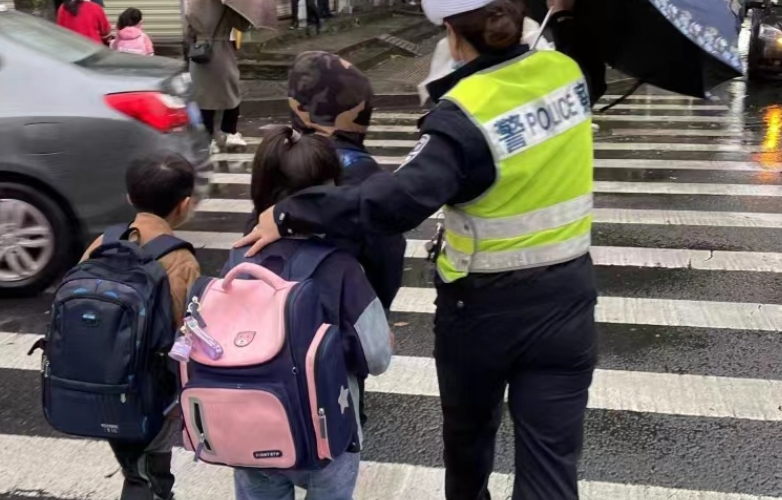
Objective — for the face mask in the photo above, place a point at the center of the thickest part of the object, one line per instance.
(456, 65)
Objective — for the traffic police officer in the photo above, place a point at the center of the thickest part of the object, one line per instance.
(508, 152)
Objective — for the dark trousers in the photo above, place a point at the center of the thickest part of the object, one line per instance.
(324, 10)
(545, 355)
(147, 466)
(313, 16)
(229, 124)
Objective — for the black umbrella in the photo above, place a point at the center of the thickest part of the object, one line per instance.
(685, 46)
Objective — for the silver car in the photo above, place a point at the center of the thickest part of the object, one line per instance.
(73, 115)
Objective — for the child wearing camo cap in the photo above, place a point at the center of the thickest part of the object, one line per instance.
(332, 98)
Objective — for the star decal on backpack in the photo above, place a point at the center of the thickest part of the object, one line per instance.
(343, 400)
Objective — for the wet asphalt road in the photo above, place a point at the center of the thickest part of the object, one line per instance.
(677, 161)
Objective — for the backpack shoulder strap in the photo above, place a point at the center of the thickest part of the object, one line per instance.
(165, 244)
(116, 233)
(350, 156)
(306, 260)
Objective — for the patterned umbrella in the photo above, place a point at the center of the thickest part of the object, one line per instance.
(260, 13)
(685, 46)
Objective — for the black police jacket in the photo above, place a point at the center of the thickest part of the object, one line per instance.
(451, 164)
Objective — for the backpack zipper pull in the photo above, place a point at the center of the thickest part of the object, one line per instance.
(200, 448)
(323, 424)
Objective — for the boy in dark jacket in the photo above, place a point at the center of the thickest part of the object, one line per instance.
(330, 97)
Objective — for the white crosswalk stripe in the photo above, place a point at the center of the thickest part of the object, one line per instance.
(693, 395)
(599, 146)
(689, 317)
(669, 258)
(609, 187)
(601, 215)
(237, 160)
(52, 466)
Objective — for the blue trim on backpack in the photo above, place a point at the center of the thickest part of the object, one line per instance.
(350, 156)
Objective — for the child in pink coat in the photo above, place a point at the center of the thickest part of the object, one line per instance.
(130, 37)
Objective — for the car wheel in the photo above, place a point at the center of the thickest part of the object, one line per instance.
(36, 240)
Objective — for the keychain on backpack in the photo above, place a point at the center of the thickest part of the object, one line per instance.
(181, 349)
(195, 324)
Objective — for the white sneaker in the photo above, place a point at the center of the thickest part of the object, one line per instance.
(235, 140)
(214, 148)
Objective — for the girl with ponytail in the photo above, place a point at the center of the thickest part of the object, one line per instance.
(287, 162)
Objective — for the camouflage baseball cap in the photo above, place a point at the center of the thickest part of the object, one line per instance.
(328, 94)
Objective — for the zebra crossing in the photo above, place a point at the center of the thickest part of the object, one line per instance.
(686, 403)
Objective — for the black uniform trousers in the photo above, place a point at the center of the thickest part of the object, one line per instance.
(539, 343)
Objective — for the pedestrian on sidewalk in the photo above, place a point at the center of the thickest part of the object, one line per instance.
(332, 98)
(85, 18)
(324, 9)
(313, 15)
(130, 34)
(216, 75)
(508, 152)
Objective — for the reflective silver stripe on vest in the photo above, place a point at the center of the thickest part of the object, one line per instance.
(551, 217)
(511, 260)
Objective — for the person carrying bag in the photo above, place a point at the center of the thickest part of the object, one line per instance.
(200, 51)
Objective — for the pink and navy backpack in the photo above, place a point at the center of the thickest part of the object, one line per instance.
(264, 377)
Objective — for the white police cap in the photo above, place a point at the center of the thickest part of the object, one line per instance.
(437, 10)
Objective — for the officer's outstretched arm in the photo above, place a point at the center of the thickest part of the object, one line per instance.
(386, 203)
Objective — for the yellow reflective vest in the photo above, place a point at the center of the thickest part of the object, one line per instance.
(535, 114)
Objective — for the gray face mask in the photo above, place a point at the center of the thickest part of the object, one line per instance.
(456, 65)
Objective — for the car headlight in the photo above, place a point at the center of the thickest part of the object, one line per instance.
(770, 32)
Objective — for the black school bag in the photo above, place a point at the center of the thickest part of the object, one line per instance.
(106, 373)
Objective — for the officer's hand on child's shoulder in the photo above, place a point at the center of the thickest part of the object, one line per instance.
(265, 232)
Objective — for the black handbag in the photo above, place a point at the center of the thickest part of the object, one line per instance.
(200, 51)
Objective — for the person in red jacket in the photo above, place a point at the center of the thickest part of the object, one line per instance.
(86, 18)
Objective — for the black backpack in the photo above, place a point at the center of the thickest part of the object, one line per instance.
(106, 373)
